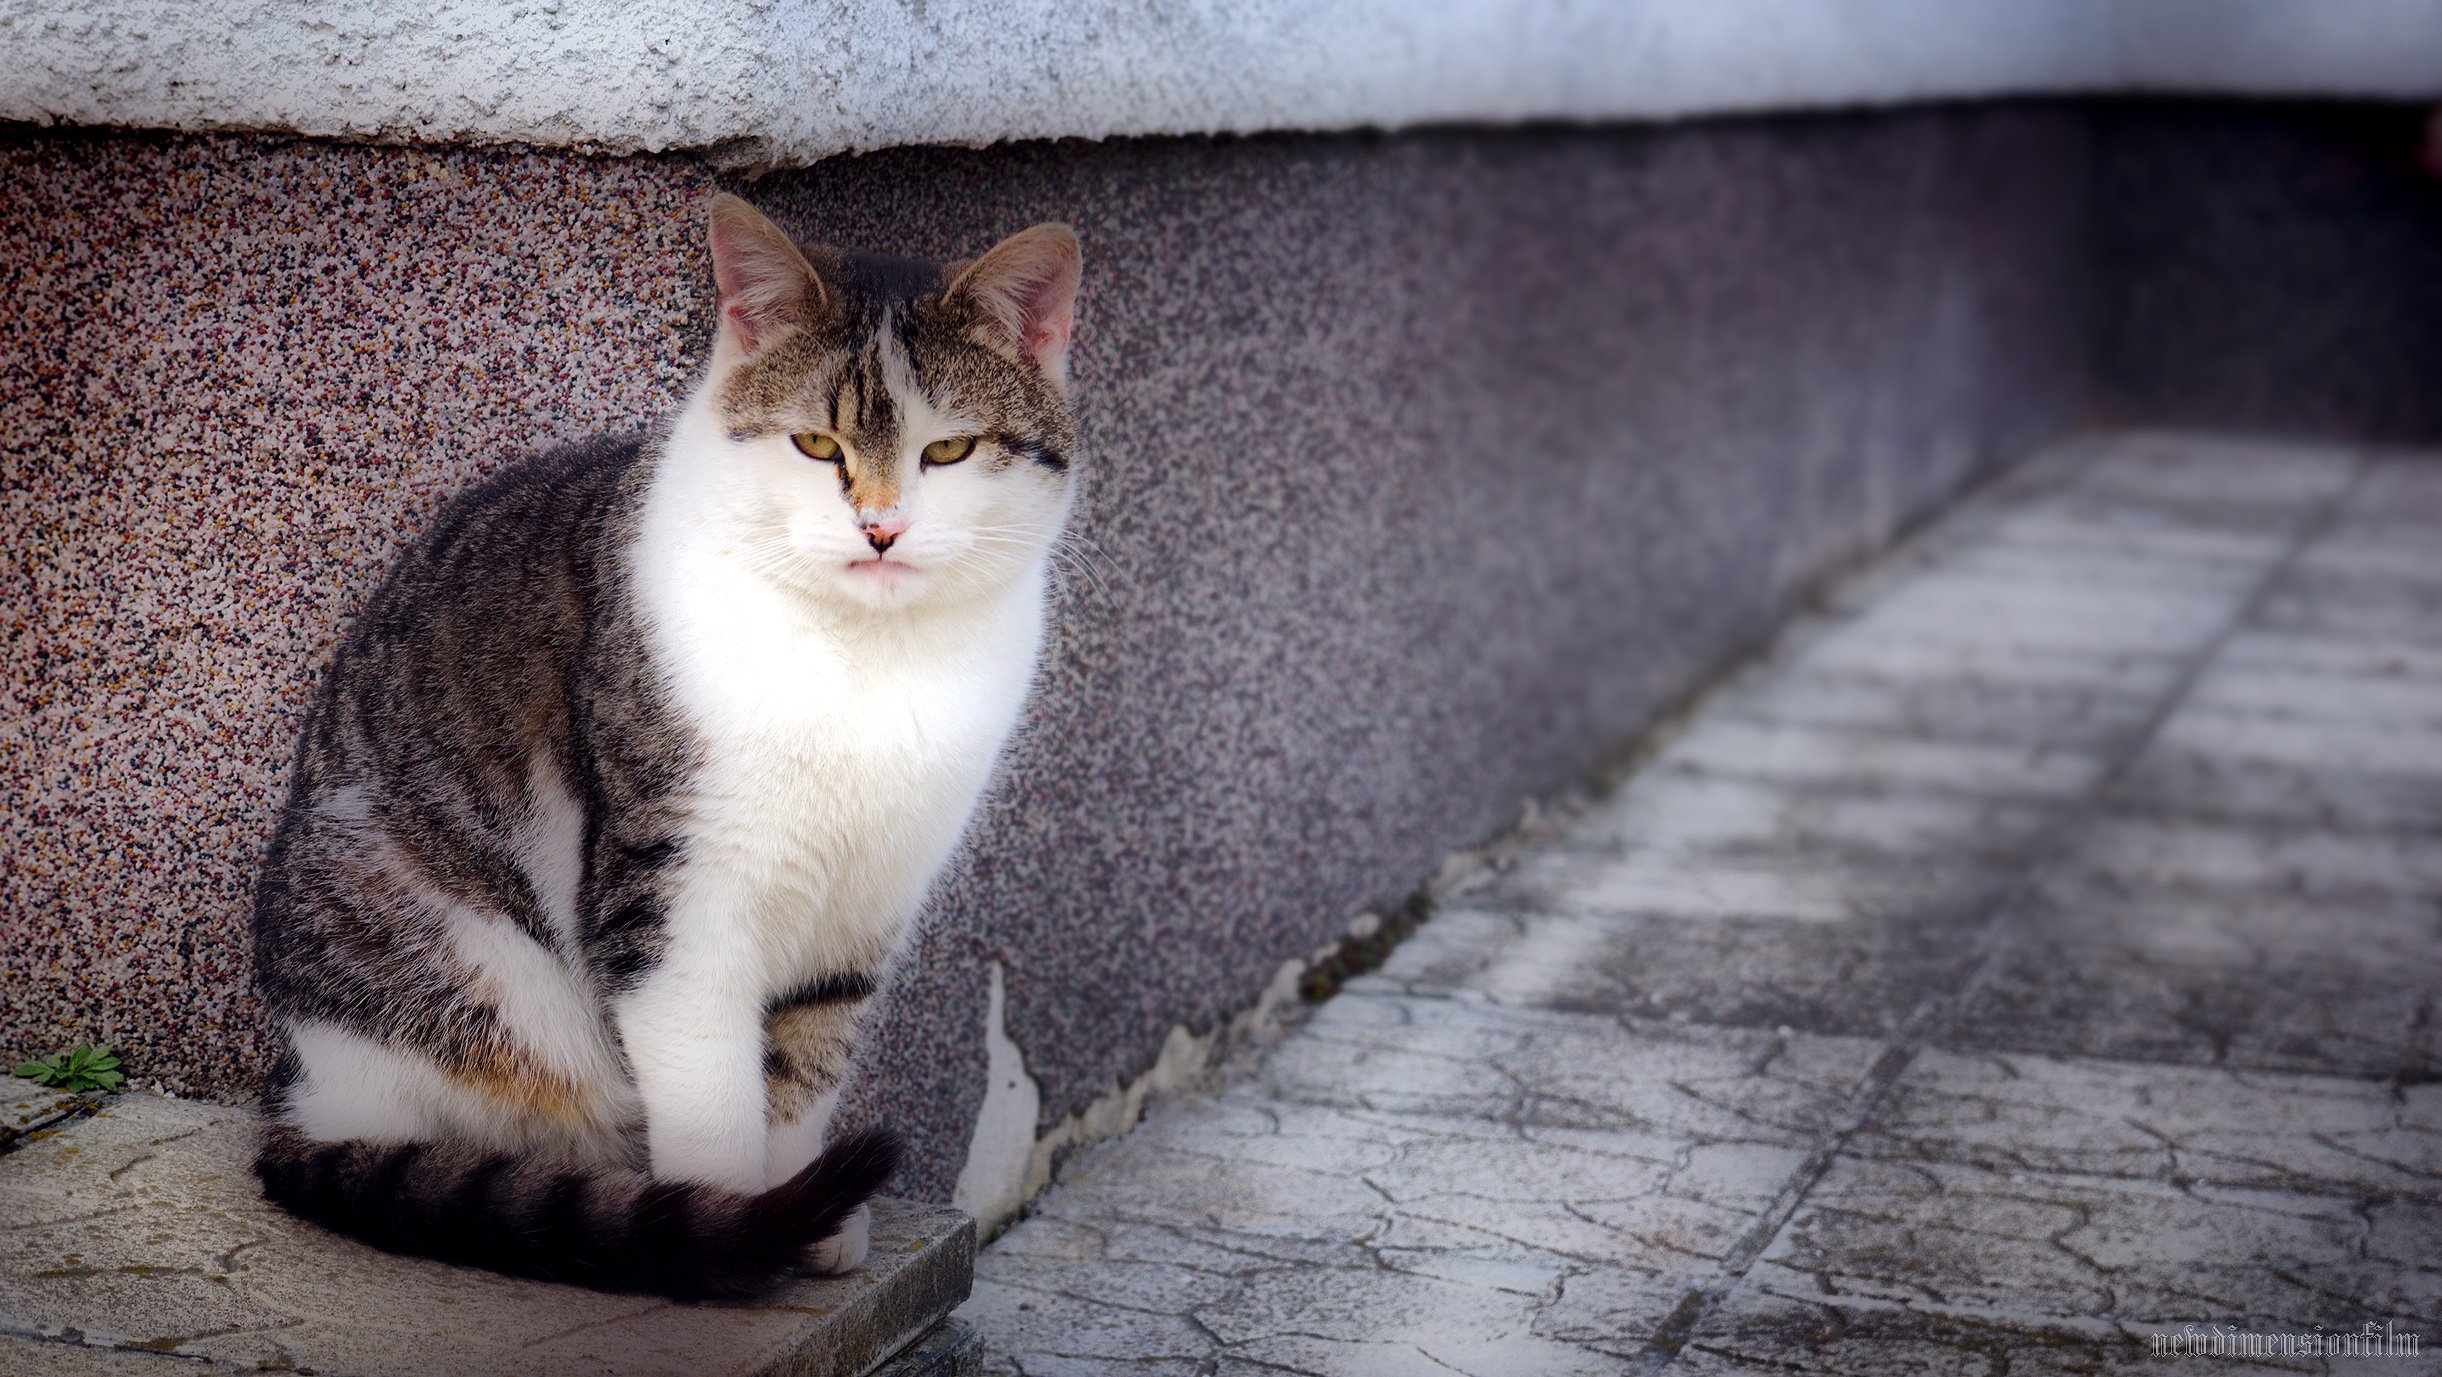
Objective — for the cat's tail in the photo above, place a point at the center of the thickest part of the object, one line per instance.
(609, 1228)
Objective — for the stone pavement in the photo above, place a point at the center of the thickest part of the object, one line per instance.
(134, 1241)
(2034, 959)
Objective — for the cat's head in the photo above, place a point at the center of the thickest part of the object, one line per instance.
(891, 433)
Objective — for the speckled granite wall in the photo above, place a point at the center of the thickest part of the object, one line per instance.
(2272, 266)
(1427, 467)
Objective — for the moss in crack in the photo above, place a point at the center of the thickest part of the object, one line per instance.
(1360, 954)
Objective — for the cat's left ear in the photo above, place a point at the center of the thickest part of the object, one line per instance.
(1026, 289)
(766, 285)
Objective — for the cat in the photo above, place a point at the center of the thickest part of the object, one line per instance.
(622, 792)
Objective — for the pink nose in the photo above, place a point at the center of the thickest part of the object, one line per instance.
(880, 531)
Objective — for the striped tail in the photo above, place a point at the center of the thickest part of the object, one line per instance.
(608, 1228)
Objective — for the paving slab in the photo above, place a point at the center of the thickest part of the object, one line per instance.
(1946, 1239)
(27, 1108)
(1753, 973)
(1846, 1336)
(2029, 1117)
(2030, 961)
(2082, 719)
(137, 1235)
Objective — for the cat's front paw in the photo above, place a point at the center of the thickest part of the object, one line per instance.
(842, 1251)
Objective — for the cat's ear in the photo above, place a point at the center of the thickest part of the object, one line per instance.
(767, 287)
(1025, 289)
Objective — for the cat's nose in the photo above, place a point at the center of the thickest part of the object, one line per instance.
(881, 531)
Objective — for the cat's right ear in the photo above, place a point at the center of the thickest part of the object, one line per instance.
(766, 286)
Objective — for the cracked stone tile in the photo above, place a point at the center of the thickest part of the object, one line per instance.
(134, 1306)
(2165, 521)
(1483, 1194)
(1041, 1363)
(2214, 470)
(2395, 545)
(1730, 819)
(1310, 1213)
(1969, 1242)
(1795, 889)
(1371, 1049)
(2381, 610)
(2388, 549)
(1417, 1176)
(1108, 1309)
(2374, 548)
(2061, 617)
(26, 1107)
(1760, 1331)
(1364, 1307)
(1608, 1310)
(2151, 852)
(1070, 1331)
(2103, 1002)
(2252, 939)
(2272, 981)
(1289, 1135)
(1056, 1239)
(1508, 1355)
(1586, 1204)
(2021, 715)
(117, 1160)
(66, 1358)
(2385, 693)
(2256, 792)
(1917, 663)
(2269, 651)
(2366, 564)
(2356, 741)
(1855, 978)
(2074, 529)
(1764, 751)
(2084, 564)
(2324, 1135)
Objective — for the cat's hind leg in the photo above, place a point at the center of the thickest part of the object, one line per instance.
(809, 1039)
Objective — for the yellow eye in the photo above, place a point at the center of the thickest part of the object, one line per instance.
(815, 446)
(949, 451)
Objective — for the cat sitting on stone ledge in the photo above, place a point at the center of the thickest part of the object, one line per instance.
(620, 796)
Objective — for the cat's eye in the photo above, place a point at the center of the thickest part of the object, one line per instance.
(949, 451)
(816, 446)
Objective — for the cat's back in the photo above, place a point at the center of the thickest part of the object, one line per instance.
(544, 523)
(472, 637)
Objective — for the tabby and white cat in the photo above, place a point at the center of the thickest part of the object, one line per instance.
(621, 794)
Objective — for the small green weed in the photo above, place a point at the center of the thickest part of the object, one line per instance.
(76, 1070)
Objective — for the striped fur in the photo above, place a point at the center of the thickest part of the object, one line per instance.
(617, 802)
(616, 1230)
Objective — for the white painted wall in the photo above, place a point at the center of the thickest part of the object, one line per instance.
(776, 82)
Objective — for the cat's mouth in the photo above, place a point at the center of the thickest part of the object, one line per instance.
(881, 569)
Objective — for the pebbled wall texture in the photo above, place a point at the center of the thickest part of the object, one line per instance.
(1427, 468)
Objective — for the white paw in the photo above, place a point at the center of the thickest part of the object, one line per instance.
(842, 1251)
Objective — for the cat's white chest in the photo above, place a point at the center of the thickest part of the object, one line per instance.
(836, 772)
